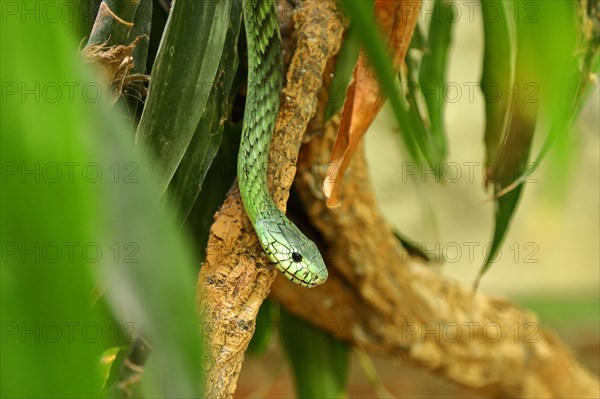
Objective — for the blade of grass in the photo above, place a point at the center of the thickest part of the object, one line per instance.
(544, 66)
(514, 151)
(495, 77)
(183, 74)
(189, 177)
(85, 17)
(346, 60)
(140, 258)
(372, 375)
(320, 362)
(128, 371)
(159, 22)
(432, 75)
(263, 333)
(45, 288)
(419, 145)
(134, 95)
(142, 25)
(411, 88)
(113, 22)
(218, 182)
(571, 85)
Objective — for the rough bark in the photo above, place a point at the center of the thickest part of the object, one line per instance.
(237, 276)
(382, 300)
(377, 297)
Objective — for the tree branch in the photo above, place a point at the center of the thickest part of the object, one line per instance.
(380, 299)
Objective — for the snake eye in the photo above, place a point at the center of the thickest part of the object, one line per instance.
(296, 257)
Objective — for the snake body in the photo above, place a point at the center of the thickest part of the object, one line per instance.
(296, 256)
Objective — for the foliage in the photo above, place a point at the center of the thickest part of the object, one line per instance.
(81, 220)
(73, 183)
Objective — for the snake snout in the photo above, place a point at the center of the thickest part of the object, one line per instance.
(318, 270)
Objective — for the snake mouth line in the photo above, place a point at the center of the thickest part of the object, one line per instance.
(295, 279)
(292, 276)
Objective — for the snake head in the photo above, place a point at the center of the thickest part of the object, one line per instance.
(297, 257)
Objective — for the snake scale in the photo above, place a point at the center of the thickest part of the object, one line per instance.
(296, 256)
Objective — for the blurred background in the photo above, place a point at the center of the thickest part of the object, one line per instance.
(550, 260)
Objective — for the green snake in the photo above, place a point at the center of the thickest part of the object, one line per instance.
(296, 256)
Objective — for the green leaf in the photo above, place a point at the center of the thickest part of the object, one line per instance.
(320, 362)
(115, 24)
(568, 82)
(87, 195)
(45, 288)
(263, 333)
(189, 177)
(411, 88)
(133, 94)
(142, 25)
(413, 248)
(182, 77)
(543, 70)
(361, 16)
(342, 74)
(160, 15)
(127, 371)
(496, 74)
(432, 75)
(85, 16)
(217, 183)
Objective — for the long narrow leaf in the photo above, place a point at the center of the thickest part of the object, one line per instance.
(342, 74)
(45, 277)
(188, 180)
(113, 22)
(410, 85)
(542, 73)
(218, 182)
(432, 75)
(263, 332)
(577, 81)
(373, 79)
(99, 205)
(495, 77)
(361, 15)
(182, 76)
(134, 94)
(142, 25)
(85, 16)
(320, 362)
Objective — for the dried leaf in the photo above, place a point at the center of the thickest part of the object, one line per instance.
(117, 64)
(364, 97)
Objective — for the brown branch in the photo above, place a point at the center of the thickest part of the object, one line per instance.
(380, 299)
(236, 276)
